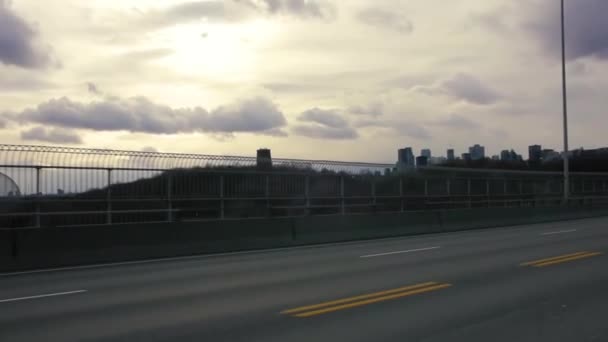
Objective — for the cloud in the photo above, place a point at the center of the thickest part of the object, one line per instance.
(586, 27)
(456, 121)
(139, 114)
(373, 109)
(400, 127)
(329, 118)
(232, 11)
(385, 19)
(470, 89)
(93, 89)
(324, 124)
(19, 44)
(54, 135)
(299, 8)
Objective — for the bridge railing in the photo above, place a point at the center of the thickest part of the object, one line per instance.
(41, 187)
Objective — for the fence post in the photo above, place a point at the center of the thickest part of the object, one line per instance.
(401, 193)
(448, 185)
(307, 194)
(342, 204)
(169, 197)
(267, 195)
(38, 195)
(109, 198)
(222, 203)
(521, 192)
(504, 193)
(469, 192)
(374, 200)
(488, 192)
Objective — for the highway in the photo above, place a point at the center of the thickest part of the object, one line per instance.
(546, 282)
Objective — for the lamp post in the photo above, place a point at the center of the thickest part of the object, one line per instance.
(565, 108)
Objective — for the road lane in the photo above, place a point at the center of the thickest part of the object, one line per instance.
(241, 297)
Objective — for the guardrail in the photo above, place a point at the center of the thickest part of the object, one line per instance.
(42, 187)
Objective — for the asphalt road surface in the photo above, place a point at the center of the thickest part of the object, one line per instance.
(545, 282)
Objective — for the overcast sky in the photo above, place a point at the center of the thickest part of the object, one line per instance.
(321, 79)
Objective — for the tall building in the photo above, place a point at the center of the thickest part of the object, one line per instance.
(264, 159)
(405, 157)
(425, 152)
(535, 153)
(477, 152)
(510, 156)
(451, 155)
(422, 161)
(466, 157)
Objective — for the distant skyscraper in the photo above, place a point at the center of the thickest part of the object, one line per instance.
(505, 155)
(451, 155)
(422, 161)
(535, 153)
(425, 152)
(406, 157)
(466, 156)
(264, 159)
(477, 152)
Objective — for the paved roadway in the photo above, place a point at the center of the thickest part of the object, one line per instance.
(467, 286)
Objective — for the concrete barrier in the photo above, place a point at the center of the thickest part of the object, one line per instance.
(66, 246)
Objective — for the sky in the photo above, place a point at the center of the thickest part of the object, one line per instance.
(346, 80)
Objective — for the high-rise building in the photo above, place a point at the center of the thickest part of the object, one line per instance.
(422, 161)
(535, 153)
(405, 157)
(505, 155)
(451, 155)
(477, 152)
(264, 159)
(425, 152)
(466, 157)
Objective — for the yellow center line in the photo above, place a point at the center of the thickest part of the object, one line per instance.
(371, 301)
(529, 263)
(559, 261)
(352, 299)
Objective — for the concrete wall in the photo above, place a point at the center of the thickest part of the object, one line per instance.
(62, 246)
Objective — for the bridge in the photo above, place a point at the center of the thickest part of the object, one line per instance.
(118, 245)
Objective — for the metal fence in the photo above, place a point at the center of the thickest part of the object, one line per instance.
(50, 186)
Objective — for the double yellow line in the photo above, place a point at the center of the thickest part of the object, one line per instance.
(366, 299)
(560, 259)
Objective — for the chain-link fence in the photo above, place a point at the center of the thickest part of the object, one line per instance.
(49, 186)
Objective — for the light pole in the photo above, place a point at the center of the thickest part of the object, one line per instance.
(565, 109)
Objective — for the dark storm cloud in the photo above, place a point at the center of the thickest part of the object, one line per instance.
(385, 19)
(19, 43)
(470, 89)
(324, 124)
(586, 27)
(54, 135)
(139, 114)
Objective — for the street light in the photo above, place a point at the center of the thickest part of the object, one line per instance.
(565, 109)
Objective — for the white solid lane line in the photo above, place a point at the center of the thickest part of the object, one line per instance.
(400, 252)
(559, 232)
(42, 296)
